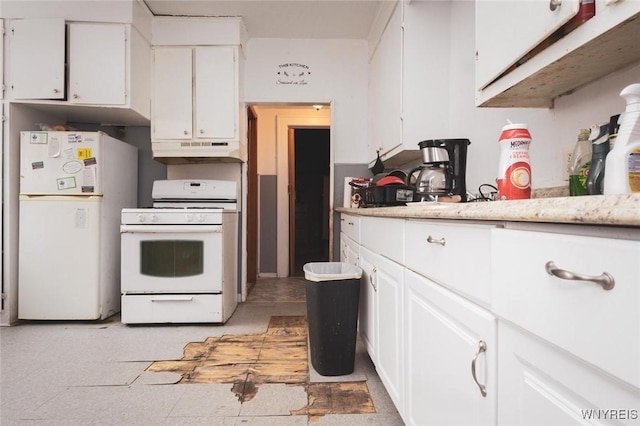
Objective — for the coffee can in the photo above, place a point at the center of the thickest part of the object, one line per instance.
(514, 170)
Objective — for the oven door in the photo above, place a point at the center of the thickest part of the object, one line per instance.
(171, 259)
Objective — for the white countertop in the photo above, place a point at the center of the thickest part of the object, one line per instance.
(621, 210)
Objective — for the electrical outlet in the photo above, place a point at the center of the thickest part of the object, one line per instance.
(566, 164)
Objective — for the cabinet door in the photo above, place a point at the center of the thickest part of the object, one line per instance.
(389, 279)
(37, 58)
(368, 303)
(97, 69)
(385, 89)
(216, 97)
(542, 385)
(495, 20)
(444, 336)
(172, 103)
(350, 250)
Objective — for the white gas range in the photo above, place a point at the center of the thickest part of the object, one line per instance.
(179, 258)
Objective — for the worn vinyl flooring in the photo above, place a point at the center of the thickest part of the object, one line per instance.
(253, 370)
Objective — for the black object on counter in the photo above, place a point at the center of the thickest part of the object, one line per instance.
(599, 150)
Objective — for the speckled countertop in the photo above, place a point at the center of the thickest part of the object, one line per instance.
(590, 210)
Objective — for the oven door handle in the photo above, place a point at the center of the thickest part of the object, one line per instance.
(165, 229)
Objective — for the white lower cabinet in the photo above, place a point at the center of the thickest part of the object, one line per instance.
(368, 303)
(450, 359)
(388, 278)
(349, 250)
(541, 384)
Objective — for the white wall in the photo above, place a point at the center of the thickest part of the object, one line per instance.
(338, 75)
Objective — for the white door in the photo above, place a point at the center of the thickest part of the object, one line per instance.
(540, 384)
(216, 96)
(385, 93)
(390, 282)
(37, 58)
(174, 259)
(59, 258)
(450, 357)
(368, 302)
(172, 96)
(97, 66)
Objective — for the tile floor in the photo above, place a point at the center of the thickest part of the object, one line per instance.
(95, 373)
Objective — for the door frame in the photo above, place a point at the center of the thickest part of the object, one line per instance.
(252, 196)
(284, 122)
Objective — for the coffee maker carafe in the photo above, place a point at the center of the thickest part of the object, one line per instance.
(443, 170)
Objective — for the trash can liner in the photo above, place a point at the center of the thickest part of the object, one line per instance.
(331, 271)
(333, 297)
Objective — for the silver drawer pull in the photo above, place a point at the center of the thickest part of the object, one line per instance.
(605, 280)
(554, 4)
(482, 348)
(432, 240)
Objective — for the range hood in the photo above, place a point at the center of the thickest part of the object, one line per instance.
(181, 152)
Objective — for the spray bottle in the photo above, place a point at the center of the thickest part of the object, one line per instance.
(623, 162)
(599, 138)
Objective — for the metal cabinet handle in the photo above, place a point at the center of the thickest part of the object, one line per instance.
(432, 240)
(75, 96)
(371, 280)
(351, 223)
(186, 132)
(202, 131)
(482, 348)
(605, 280)
(554, 4)
(55, 90)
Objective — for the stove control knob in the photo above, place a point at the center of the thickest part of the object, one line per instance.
(189, 217)
(142, 217)
(154, 218)
(201, 217)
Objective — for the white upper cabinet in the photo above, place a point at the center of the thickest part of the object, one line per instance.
(81, 64)
(523, 62)
(409, 81)
(194, 93)
(172, 108)
(497, 20)
(385, 89)
(97, 67)
(37, 59)
(195, 103)
(216, 98)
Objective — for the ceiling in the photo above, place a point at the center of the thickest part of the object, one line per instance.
(317, 19)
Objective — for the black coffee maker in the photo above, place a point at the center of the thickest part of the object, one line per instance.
(443, 171)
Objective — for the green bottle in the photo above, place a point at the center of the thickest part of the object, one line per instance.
(580, 162)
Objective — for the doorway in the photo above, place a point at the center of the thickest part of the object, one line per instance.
(309, 170)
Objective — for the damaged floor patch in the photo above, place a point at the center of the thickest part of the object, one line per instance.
(277, 356)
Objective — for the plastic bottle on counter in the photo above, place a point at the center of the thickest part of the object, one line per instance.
(623, 162)
(599, 149)
(514, 171)
(580, 162)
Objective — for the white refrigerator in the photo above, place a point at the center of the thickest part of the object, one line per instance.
(73, 186)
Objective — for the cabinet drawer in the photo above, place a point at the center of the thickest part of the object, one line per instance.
(171, 308)
(455, 255)
(350, 225)
(600, 326)
(383, 236)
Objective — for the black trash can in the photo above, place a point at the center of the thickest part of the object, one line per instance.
(333, 296)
